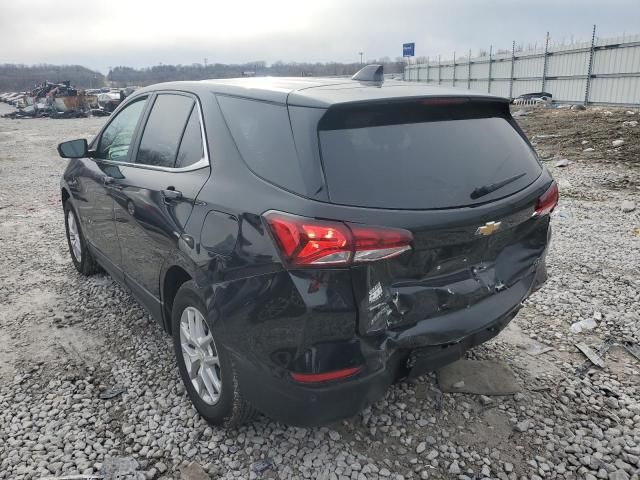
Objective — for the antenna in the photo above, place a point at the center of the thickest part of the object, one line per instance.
(370, 73)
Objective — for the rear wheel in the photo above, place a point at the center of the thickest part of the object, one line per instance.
(206, 369)
(82, 258)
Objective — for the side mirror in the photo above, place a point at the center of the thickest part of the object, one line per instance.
(74, 148)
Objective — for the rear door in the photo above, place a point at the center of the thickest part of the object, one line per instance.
(436, 166)
(158, 189)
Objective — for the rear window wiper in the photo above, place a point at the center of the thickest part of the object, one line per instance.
(492, 187)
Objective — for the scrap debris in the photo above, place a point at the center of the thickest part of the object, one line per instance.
(62, 100)
(632, 348)
(538, 349)
(112, 393)
(262, 465)
(591, 355)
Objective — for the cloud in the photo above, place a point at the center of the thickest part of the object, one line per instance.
(102, 33)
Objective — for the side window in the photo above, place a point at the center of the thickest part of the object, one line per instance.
(164, 129)
(191, 148)
(262, 132)
(116, 138)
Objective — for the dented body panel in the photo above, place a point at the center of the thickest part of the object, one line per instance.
(449, 269)
(465, 277)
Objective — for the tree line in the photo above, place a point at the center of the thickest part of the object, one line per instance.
(24, 77)
(127, 76)
(18, 77)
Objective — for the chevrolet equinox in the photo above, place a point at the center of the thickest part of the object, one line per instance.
(309, 242)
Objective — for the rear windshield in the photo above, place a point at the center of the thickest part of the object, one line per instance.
(424, 155)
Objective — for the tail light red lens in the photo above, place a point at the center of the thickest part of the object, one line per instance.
(306, 241)
(548, 201)
(374, 243)
(325, 377)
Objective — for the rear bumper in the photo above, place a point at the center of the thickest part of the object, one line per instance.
(409, 353)
(304, 405)
(284, 400)
(427, 359)
(306, 322)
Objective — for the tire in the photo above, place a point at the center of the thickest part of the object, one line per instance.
(82, 259)
(230, 408)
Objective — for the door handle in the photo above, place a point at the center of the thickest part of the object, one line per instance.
(110, 183)
(171, 195)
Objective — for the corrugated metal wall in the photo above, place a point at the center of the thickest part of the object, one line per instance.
(601, 71)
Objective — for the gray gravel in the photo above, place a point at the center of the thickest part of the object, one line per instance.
(64, 339)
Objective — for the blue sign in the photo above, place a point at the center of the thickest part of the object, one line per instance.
(408, 49)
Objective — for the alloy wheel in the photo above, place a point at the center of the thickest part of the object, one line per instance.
(200, 356)
(74, 236)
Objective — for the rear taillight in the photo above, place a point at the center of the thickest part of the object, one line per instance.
(307, 241)
(325, 377)
(548, 201)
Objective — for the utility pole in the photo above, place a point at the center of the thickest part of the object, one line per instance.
(360, 53)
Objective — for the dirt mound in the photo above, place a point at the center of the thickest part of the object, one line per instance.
(584, 135)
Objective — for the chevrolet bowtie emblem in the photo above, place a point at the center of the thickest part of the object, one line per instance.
(488, 228)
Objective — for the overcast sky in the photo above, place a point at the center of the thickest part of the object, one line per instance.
(103, 33)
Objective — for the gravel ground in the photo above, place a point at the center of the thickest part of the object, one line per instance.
(65, 340)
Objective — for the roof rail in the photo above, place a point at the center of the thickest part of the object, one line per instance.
(370, 73)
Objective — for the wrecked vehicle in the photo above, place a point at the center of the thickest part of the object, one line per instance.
(20, 101)
(9, 97)
(64, 98)
(535, 98)
(109, 101)
(353, 232)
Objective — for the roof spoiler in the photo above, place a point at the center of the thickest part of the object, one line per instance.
(370, 73)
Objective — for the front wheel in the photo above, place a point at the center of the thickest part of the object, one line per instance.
(80, 255)
(206, 369)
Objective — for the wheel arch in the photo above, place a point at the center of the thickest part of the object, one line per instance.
(64, 194)
(172, 279)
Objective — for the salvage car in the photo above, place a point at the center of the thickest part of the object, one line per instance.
(309, 242)
(533, 98)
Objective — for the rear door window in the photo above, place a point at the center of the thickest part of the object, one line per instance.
(164, 129)
(191, 148)
(423, 156)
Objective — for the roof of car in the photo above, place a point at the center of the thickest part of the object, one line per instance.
(315, 91)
